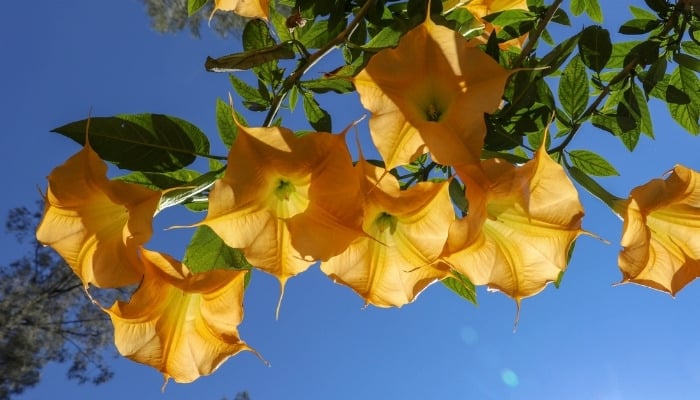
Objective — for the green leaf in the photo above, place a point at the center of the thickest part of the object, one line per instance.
(686, 114)
(620, 50)
(385, 38)
(641, 13)
(317, 117)
(320, 33)
(578, 7)
(160, 180)
(591, 7)
(194, 5)
(257, 37)
(591, 163)
(655, 74)
(207, 252)
(555, 58)
(188, 191)
(142, 142)
(228, 130)
(644, 53)
(645, 126)
(660, 6)
(293, 97)
(593, 10)
(687, 61)
(253, 99)
(639, 26)
(691, 47)
(461, 285)
(329, 84)
(249, 59)
(458, 197)
(595, 47)
(628, 114)
(573, 88)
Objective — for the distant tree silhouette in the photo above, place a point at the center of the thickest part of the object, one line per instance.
(170, 16)
(46, 317)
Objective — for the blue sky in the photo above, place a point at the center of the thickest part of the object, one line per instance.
(586, 340)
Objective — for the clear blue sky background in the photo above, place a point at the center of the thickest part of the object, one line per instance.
(586, 340)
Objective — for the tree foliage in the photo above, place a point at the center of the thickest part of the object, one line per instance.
(46, 317)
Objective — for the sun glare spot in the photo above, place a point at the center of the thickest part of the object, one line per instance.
(509, 378)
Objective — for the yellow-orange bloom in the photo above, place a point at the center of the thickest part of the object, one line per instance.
(244, 8)
(661, 234)
(183, 324)
(405, 234)
(430, 94)
(95, 224)
(287, 201)
(529, 217)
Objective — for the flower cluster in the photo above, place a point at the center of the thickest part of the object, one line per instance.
(288, 201)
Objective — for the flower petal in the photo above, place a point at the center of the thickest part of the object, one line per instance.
(405, 234)
(661, 234)
(435, 102)
(533, 216)
(96, 224)
(184, 325)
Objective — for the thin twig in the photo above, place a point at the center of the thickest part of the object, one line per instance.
(310, 61)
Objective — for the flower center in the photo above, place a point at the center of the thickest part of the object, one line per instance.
(432, 113)
(384, 221)
(284, 189)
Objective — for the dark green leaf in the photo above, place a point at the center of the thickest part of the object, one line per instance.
(142, 142)
(687, 61)
(644, 53)
(317, 117)
(595, 47)
(628, 113)
(195, 5)
(458, 197)
(461, 285)
(676, 96)
(332, 83)
(224, 122)
(654, 75)
(573, 88)
(620, 51)
(253, 99)
(561, 17)
(591, 163)
(207, 252)
(555, 58)
(639, 26)
(249, 59)
(660, 6)
(645, 126)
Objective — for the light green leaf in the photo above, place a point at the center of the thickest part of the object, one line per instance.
(194, 5)
(686, 114)
(461, 285)
(206, 252)
(317, 117)
(224, 122)
(573, 88)
(591, 163)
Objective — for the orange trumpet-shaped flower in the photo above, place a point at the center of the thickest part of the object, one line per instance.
(430, 94)
(183, 324)
(405, 234)
(287, 201)
(529, 217)
(244, 8)
(661, 234)
(95, 224)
